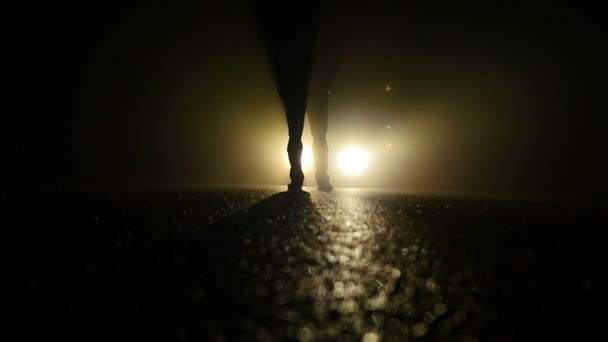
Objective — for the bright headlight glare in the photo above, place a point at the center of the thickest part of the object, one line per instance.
(353, 160)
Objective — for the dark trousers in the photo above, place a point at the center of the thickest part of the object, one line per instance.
(317, 116)
(289, 34)
(295, 110)
(298, 101)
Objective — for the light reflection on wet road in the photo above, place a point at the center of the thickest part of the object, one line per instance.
(337, 265)
(349, 265)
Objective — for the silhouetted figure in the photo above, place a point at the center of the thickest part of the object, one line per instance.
(290, 30)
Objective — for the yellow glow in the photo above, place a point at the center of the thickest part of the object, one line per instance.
(353, 160)
(307, 160)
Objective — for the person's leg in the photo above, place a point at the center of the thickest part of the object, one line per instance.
(295, 109)
(291, 67)
(295, 121)
(317, 115)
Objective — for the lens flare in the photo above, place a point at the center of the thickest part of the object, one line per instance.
(353, 161)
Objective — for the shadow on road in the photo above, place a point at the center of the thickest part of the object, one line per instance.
(105, 266)
(236, 262)
(247, 265)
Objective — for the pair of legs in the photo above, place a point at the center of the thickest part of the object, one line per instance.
(317, 115)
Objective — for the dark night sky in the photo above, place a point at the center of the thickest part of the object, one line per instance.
(496, 97)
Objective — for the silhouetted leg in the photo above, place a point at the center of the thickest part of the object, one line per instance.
(317, 115)
(289, 36)
(295, 122)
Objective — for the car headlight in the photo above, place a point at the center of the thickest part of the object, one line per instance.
(353, 160)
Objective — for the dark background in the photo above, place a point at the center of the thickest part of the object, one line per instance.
(497, 98)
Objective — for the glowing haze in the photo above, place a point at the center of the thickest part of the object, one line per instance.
(496, 99)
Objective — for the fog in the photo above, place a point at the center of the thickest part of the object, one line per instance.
(495, 99)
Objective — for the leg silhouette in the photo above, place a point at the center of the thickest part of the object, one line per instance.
(295, 109)
(317, 115)
(289, 33)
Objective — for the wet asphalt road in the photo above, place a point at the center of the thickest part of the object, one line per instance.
(351, 265)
